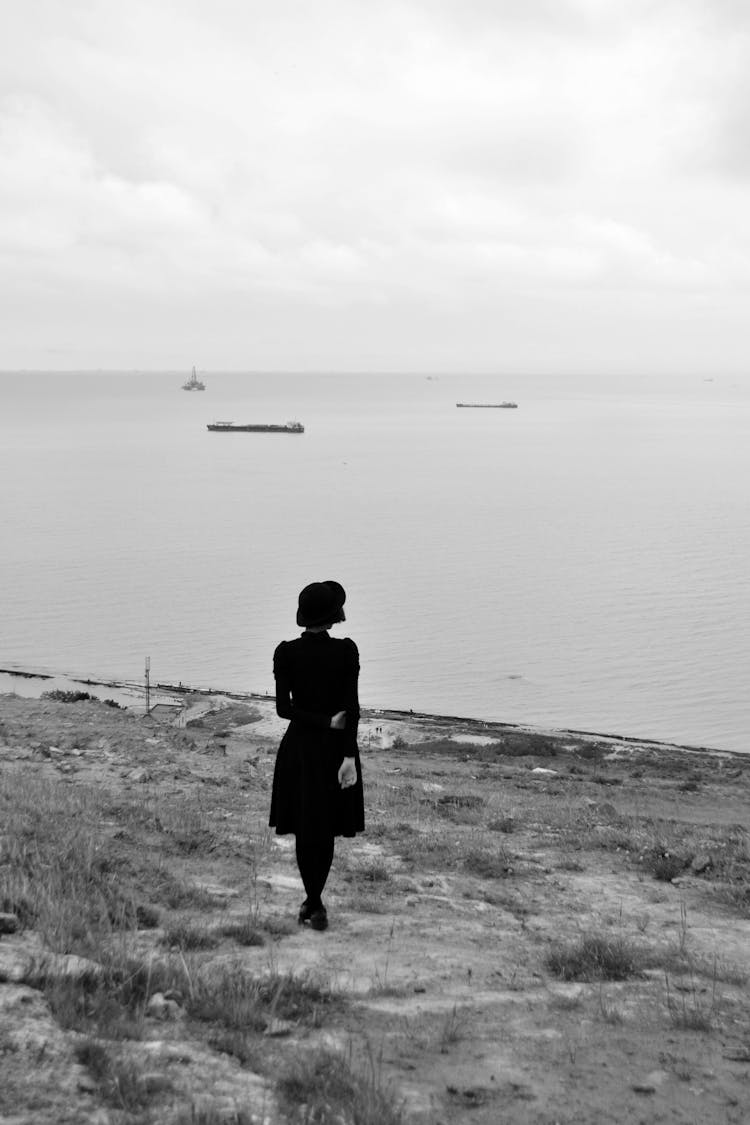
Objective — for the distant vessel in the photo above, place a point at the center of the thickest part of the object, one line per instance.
(236, 428)
(193, 383)
(490, 405)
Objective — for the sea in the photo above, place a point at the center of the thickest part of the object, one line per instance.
(581, 562)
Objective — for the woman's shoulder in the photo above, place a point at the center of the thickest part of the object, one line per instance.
(283, 650)
(347, 641)
(347, 646)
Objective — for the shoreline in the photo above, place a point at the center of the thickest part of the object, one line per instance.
(486, 727)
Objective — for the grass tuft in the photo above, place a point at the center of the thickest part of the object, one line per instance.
(596, 957)
(185, 934)
(322, 1087)
(244, 932)
(238, 1001)
(121, 1083)
(487, 864)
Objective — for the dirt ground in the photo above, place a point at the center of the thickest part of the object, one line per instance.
(488, 850)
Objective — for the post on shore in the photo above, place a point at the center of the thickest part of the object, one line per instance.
(148, 683)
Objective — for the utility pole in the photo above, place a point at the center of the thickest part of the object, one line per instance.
(148, 683)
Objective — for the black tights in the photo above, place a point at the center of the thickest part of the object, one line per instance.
(314, 859)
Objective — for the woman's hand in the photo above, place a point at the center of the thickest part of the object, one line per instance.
(347, 773)
(338, 721)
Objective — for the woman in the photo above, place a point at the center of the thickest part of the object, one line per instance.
(317, 781)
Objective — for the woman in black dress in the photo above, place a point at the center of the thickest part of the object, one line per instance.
(317, 781)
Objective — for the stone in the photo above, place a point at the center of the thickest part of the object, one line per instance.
(161, 1008)
(69, 966)
(8, 923)
(701, 862)
(157, 1006)
(14, 964)
(154, 1083)
(138, 776)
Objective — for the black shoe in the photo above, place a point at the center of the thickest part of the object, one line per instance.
(305, 913)
(319, 919)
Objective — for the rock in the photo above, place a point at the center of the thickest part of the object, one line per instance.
(138, 776)
(154, 1083)
(157, 1006)
(650, 1083)
(68, 966)
(161, 1008)
(55, 752)
(540, 771)
(701, 862)
(8, 923)
(14, 964)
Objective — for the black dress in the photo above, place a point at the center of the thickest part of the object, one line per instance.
(316, 676)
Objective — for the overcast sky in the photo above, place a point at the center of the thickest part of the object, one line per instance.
(448, 185)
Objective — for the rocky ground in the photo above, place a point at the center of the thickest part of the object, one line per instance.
(535, 928)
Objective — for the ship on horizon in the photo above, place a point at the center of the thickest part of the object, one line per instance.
(489, 405)
(194, 383)
(256, 428)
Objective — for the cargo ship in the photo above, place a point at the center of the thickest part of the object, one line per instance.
(256, 428)
(489, 405)
(194, 383)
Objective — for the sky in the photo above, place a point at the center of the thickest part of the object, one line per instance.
(541, 186)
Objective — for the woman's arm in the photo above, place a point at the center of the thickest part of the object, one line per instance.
(285, 705)
(287, 709)
(350, 700)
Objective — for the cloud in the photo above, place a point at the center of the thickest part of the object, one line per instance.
(349, 155)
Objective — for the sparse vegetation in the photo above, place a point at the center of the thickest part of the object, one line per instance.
(487, 863)
(186, 934)
(596, 957)
(237, 1000)
(244, 932)
(435, 944)
(688, 1009)
(122, 1083)
(57, 695)
(321, 1086)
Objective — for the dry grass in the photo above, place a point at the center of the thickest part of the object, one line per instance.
(74, 880)
(244, 932)
(596, 957)
(235, 999)
(91, 870)
(187, 934)
(321, 1088)
(122, 1083)
(690, 1007)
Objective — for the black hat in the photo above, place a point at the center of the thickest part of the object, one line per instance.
(321, 603)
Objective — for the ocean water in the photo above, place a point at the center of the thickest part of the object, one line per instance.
(581, 561)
